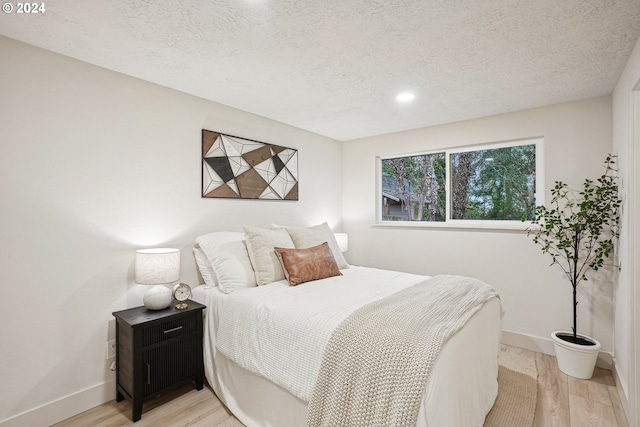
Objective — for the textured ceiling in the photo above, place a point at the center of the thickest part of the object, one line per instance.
(334, 66)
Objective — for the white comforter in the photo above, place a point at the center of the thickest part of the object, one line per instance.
(280, 332)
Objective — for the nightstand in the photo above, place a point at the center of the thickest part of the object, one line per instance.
(157, 350)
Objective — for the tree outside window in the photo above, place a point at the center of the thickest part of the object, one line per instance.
(413, 188)
(496, 184)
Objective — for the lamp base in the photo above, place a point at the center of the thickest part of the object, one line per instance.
(157, 298)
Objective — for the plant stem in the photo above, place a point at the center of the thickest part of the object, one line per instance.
(574, 282)
(575, 311)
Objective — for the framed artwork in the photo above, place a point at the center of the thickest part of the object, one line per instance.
(240, 168)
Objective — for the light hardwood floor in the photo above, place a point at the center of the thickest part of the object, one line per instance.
(567, 401)
(562, 402)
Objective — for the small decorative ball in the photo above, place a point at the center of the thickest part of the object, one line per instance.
(157, 298)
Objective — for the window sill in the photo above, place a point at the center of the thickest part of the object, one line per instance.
(459, 224)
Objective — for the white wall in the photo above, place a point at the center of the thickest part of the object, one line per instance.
(536, 298)
(626, 104)
(94, 165)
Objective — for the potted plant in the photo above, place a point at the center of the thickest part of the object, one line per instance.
(579, 231)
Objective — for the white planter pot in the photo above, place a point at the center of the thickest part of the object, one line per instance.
(576, 360)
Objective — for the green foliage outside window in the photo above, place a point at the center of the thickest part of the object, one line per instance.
(496, 184)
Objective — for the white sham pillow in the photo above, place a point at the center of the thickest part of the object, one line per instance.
(308, 237)
(260, 244)
(227, 253)
(204, 265)
(231, 274)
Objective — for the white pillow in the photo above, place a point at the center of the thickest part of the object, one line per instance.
(204, 265)
(304, 238)
(260, 244)
(227, 253)
(231, 274)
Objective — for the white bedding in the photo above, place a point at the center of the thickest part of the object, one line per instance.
(267, 378)
(280, 332)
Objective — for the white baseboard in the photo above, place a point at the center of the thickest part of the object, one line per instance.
(528, 342)
(545, 346)
(63, 408)
(622, 393)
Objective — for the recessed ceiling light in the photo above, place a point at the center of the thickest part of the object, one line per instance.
(404, 97)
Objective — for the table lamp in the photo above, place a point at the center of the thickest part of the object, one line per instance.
(157, 266)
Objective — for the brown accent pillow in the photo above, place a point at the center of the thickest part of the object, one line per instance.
(305, 265)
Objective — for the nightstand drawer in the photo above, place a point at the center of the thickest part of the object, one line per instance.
(168, 329)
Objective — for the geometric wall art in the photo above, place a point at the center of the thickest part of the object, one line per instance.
(234, 167)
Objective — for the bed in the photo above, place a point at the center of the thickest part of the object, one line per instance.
(266, 342)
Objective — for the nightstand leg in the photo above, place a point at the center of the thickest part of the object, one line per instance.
(199, 382)
(119, 396)
(136, 412)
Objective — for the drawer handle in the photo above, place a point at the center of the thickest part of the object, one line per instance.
(168, 331)
(148, 373)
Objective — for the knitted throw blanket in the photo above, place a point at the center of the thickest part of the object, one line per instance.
(377, 362)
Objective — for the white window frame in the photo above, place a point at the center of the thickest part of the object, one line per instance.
(465, 223)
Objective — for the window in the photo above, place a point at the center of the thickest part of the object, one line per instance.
(494, 185)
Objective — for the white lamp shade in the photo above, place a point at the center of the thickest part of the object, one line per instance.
(343, 241)
(157, 266)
